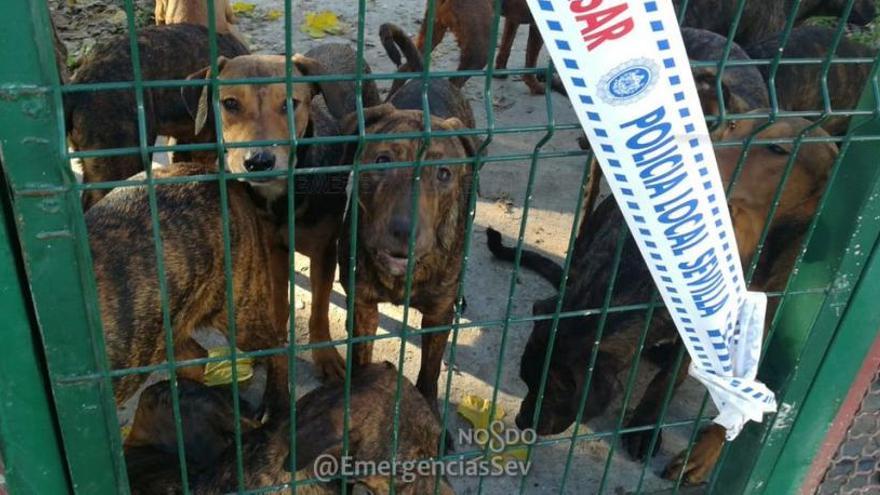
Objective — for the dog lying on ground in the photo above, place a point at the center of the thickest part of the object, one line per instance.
(120, 235)
(108, 119)
(470, 21)
(798, 87)
(516, 13)
(761, 19)
(266, 450)
(591, 273)
(386, 218)
(258, 112)
(207, 423)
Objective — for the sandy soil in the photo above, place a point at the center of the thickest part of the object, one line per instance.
(480, 350)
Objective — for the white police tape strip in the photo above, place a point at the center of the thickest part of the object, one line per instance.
(627, 74)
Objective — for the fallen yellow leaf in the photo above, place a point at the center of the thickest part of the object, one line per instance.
(274, 15)
(243, 8)
(320, 24)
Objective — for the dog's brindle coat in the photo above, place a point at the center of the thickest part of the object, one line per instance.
(120, 236)
(762, 19)
(386, 217)
(265, 450)
(591, 271)
(798, 86)
(255, 112)
(108, 119)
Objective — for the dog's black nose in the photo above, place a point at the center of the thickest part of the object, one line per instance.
(260, 162)
(400, 227)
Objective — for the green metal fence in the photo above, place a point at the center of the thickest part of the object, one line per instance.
(58, 422)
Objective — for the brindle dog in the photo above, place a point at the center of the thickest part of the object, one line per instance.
(121, 238)
(591, 273)
(799, 86)
(259, 112)
(108, 119)
(471, 23)
(762, 19)
(386, 217)
(265, 450)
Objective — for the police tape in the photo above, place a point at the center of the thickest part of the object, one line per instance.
(627, 74)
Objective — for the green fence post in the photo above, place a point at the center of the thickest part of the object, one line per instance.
(846, 230)
(29, 441)
(851, 343)
(55, 252)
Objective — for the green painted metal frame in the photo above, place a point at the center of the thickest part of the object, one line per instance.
(52, 235)
(813, 330)
(30, 444)
(55, 254)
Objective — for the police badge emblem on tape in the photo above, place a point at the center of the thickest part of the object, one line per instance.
(645, 123)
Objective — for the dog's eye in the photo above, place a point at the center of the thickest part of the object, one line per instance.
(231, 104)
(383, 158)
(779, 150)
(444, 174)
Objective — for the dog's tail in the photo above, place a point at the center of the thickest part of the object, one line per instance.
(395, 40)
(538, 263)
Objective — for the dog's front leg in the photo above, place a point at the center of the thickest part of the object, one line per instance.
(366, 322)
(323, 266)
(533, 48)
(433, 345)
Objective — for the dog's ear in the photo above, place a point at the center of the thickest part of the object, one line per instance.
(349, 123)
(197, 98)
(334, 92)
(468, 142)
(349, 126)
(707, 88)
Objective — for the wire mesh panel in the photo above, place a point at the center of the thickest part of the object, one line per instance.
(326, 211)
(855, 467)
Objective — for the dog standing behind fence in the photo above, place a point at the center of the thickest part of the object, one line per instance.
(471, 23)
(121, 238)
(259, 112)
(109, 119)
(386, 217)
(592, 268)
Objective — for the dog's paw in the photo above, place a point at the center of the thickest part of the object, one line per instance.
(637, 444)
(329, 363)
(702, 460)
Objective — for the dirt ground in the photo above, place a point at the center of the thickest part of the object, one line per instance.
(479, 350)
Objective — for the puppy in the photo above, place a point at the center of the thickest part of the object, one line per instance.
(121, 239)
(207, 423)
(517, 13)
(798, 87)
(266, 450)
(259, 112)
(386, 218)
(591, 273)
(470, 21)
(108, 119)
(762, 19)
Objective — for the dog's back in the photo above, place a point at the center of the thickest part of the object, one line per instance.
(123, 251)
(798, 86)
